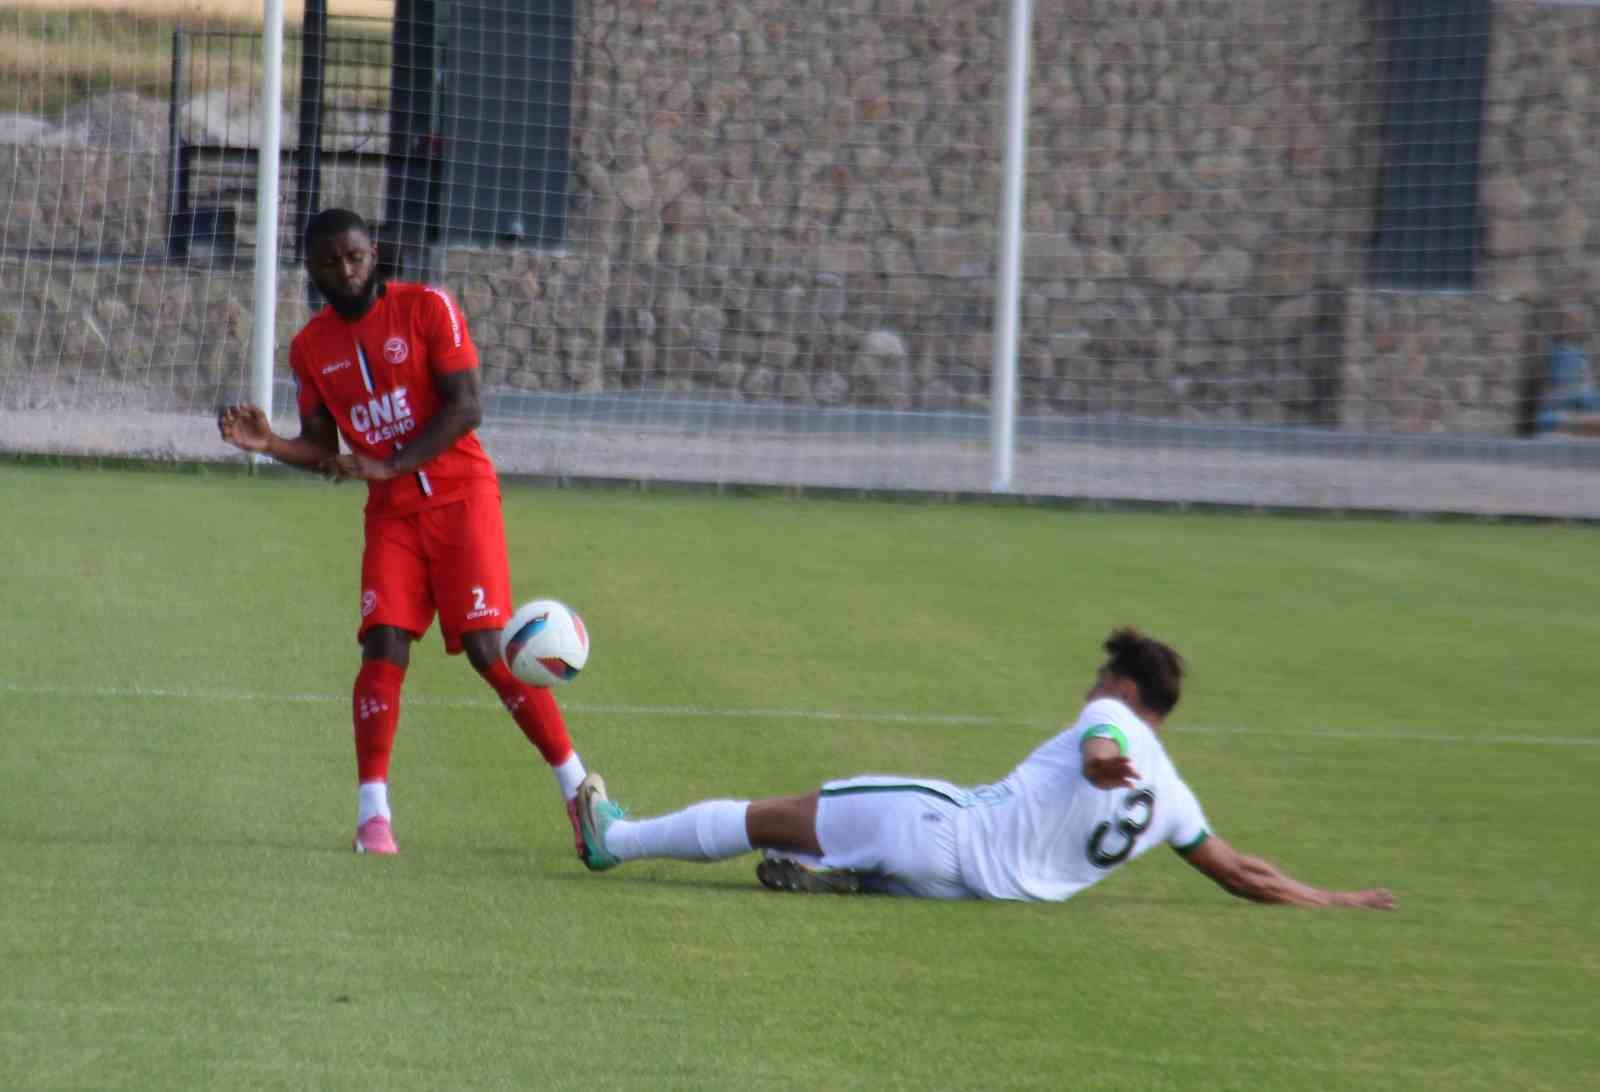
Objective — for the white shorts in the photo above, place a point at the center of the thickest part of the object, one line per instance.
(902, 831)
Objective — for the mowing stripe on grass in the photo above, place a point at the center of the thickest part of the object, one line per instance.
(186, 694)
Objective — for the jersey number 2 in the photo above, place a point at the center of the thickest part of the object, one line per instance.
(1138, 811)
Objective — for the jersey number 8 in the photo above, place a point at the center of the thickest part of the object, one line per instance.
(1138, 811)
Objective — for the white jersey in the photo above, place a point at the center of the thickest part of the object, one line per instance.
(1045, 833)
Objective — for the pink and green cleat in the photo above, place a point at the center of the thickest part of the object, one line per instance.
(577, 826)
(596, 812)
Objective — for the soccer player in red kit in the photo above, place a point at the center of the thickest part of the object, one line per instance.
(392, 369)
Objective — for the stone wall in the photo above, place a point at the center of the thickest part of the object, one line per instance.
(1432, 362)
(72, 198)
(1182, 234)
(774, 205)
(143, 335)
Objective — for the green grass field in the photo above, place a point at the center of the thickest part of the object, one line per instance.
(1399, 703)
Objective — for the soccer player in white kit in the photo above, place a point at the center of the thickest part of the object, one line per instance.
(1079, 807)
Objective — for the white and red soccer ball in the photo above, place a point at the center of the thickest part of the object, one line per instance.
(545, 643)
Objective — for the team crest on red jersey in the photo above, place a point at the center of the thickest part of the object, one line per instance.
(395, 350)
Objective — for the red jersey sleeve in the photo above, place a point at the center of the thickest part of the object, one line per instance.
(450, 347)
(305, 391)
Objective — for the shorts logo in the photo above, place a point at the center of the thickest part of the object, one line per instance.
(369, 602)
(395, 351)
(481, 609)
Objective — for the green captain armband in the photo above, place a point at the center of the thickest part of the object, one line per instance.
(1108, 731)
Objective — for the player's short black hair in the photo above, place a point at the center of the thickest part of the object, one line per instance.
(331, 222)
(1156, 669)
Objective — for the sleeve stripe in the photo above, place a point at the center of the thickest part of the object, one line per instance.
(1108, 731)
(1190, 847)
(449, 309)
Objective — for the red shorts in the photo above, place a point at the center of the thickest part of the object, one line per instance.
(450, 560)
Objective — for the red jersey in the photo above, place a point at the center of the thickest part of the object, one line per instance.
(375, 376)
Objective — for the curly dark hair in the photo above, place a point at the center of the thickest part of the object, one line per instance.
(1155, 668)
(332, 222)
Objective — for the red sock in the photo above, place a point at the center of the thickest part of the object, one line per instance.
(535, 711)
(375, 706)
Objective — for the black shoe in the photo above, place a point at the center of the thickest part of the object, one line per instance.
(787, 874)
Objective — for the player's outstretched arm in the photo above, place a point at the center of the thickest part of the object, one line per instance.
(246, 427)
(1260, 881)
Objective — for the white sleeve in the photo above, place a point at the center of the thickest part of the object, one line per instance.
(1186, 825)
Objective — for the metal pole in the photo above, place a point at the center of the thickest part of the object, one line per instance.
(178, 228)
(263, 340)
(308, 151)
(1008, 285)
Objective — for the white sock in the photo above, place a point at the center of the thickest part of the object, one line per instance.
(709, 831)
(372, 799)
(569, 774)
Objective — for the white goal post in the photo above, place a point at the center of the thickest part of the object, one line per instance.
(1238, 252)
(263, 330)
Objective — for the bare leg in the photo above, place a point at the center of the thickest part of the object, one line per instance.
(785, 823)
(389, 644)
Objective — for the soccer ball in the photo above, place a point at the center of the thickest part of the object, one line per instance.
(545, 643)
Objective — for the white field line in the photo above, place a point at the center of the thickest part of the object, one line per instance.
(187, 694)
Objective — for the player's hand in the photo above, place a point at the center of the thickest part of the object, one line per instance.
(245, 427)
(355, 466)
(1374, 898)
(1116, 772)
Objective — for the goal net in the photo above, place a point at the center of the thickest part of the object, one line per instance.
(1271, 253)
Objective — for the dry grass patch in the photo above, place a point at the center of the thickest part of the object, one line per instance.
(53, 55)
(228, 10)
